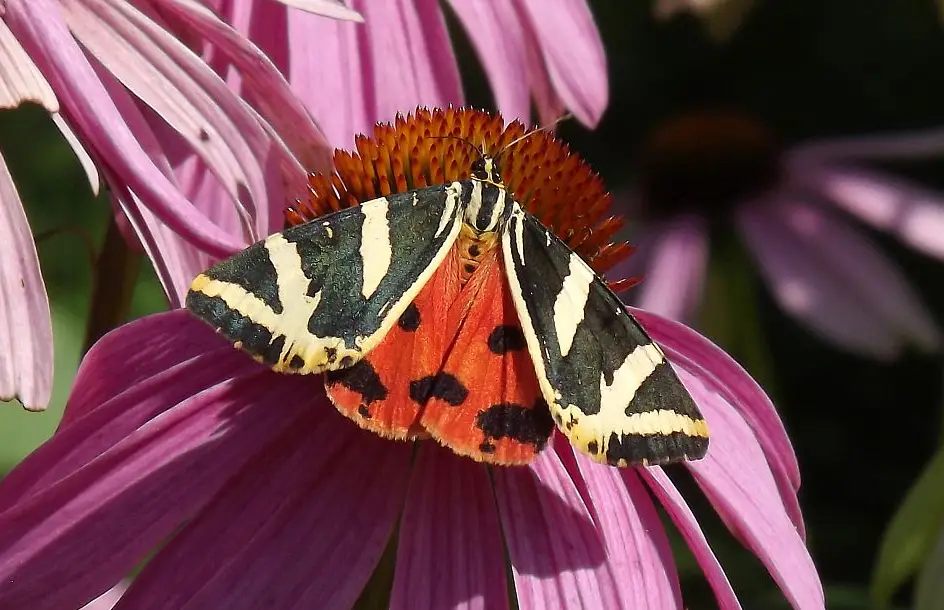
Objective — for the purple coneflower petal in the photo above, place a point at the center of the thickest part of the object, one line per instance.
(675, 271)
(270, 92)
(85, 159)
(450, 552)
(326, 8)
(494, 28)
(912, 213)
(637, 547)
(38, 25)
(90, 528)
(737, 481)
(25, 323)
(835, 280)
(721, 374)
(896, 145)
(302, 525)
(20, 79)
(400, 57)
(557, 555)
(190, 97)
(684, 519)
(572, 54)
(108, 599)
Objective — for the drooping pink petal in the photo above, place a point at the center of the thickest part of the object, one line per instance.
(20, 79)
(450, 552)
(573, 54)
(495, 30)
(410, 35)
(737, 480)
(87, 530)
(637, 547)
(684, 519)
(326, 65)
(912, 213)
(190, 97)
(303, 525)
(895, 145)
(675, 272)
(558, 557)
(399, 58)
(108, 599)
(39, 26)
(334, 9)
(85, 159)
(268, 89)
(719, 372)
(25, 323)
(176, 341)
(835, 280)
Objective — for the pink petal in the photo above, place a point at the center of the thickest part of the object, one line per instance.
(410, 55)
(334, 9)
(900, 145)
(835, 280)
(684, 519)
(302, 526)
(326, 65)
(270, 91)
(190, 97)
(87, 530)
(738, 482)
(912, 213)
(108, 599)
(20, 79)
(573, 54)
(558, 557)
(25, 324)
(723, 376)
(675, 273)
(637, 549)
(495, 31)
(450, 552)
(85, 160)
(38, 25)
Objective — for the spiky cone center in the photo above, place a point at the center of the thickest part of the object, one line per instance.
(426, 147)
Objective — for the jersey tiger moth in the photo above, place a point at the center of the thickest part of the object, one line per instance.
(452, 312)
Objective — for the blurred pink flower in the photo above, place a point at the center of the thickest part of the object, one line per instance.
(351, 75)
(795, 222)
(257, 490)
(160, 125)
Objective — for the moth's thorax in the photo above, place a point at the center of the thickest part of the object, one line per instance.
(488, 206)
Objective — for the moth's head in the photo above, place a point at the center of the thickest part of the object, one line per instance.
(485, 169)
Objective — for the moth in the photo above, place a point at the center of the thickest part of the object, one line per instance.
(451, 312)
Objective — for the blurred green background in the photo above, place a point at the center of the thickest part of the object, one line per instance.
(863, 430)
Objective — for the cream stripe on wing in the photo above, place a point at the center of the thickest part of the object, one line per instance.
(571, 302)
(376, 251)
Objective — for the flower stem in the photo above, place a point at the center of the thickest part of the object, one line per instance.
(113, 279)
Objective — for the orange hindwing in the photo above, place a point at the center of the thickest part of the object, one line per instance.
(376, 391)
(485, 403)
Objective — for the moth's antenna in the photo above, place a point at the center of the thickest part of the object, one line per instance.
(547, 127)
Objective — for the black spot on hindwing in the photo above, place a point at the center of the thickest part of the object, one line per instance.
(360, 378)
(442, 385)
(530, 426)
(505, 339)
(410, 319)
